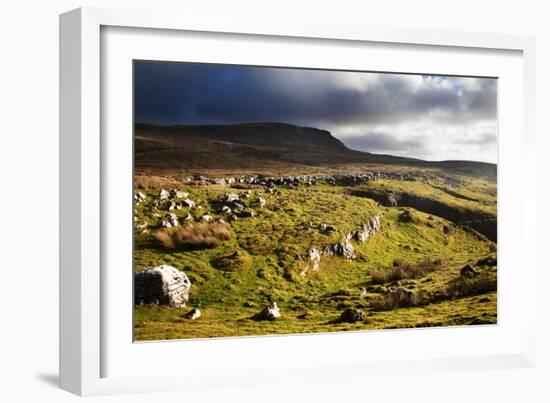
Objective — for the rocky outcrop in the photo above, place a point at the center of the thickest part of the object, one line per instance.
(344, 248)
(164, 285)
(370, 228)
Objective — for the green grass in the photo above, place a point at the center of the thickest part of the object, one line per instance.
(229, 289)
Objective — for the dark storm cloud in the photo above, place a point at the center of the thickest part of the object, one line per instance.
(342, 102)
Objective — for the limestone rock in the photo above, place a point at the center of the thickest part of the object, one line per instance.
(194, 314)
(163, 285)
(189, 203)
(178, 194)
(139, 197)
(270, 312)
(206, 218)
(231, 197)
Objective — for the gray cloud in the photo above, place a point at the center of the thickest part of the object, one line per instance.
(413, 115)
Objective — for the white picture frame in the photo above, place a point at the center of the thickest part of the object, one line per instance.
(86, 341)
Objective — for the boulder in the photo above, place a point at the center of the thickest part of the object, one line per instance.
(231, 197)
(178, 194)
(270, 312)
(164, 194)
(225, 210)
(163, 285)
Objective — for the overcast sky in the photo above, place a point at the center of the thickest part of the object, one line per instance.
(427, 117)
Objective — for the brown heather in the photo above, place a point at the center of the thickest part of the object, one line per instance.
(194, 236)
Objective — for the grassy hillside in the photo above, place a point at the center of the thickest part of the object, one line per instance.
(264, 258)
(268, 148)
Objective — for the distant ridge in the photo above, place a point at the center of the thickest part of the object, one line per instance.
(257, 145)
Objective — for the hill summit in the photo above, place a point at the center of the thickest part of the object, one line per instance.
(261, 147)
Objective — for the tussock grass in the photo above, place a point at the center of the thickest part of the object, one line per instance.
(194, 236)
(154, 182)
(402, 270)
(465, 287)
(394, 300)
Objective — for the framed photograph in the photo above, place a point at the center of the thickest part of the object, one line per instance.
(243, 203)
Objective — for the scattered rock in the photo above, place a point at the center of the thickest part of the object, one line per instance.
(164, 194)
(163, 285)
(225, 210)
(139, 197)
(331, 228)
(261, 202)
(171, 220)
(351, 315)
(189, 203)
(270, 312)
(231, 197)
(206, 218)
(194, 314)
(140, 225)
(178, 194)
